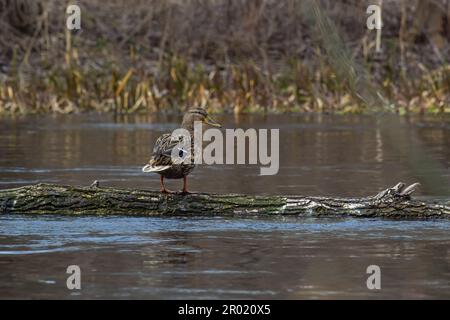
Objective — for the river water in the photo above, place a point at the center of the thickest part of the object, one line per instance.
(213, 257)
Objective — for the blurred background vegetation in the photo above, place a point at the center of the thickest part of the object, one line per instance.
(229, 55)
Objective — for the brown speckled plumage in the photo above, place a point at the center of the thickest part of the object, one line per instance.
(161, 161)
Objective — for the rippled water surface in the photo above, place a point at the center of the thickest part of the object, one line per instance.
(146, 258)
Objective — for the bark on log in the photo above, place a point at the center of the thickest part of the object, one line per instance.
(394, 202)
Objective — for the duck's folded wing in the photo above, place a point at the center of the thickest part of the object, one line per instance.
(164, 147)
(162, 154)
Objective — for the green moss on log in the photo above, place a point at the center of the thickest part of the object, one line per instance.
(394, 202)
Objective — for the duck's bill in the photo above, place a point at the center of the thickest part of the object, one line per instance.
(212, 122)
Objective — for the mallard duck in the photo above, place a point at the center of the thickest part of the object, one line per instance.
(161, 161)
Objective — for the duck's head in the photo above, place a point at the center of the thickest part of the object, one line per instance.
(197, 114)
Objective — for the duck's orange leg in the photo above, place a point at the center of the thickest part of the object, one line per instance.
(185, 191)
(163, 188)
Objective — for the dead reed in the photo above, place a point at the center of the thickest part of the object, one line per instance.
(229, 55)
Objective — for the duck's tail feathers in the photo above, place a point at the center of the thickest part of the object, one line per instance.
(150, 168)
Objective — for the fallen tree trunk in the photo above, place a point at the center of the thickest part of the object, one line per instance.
(393, 202)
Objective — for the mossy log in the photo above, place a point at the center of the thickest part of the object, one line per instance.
(394, 202)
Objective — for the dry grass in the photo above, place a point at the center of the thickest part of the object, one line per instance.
(229, 55)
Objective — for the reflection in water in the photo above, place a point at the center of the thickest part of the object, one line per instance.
(123, 257)
(288, 258)
(319, 155)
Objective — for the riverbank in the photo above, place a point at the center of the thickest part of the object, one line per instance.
(266, 57)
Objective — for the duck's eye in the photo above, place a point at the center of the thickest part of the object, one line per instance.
(181, 153)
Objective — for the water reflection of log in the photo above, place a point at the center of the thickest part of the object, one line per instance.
(394, 202)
